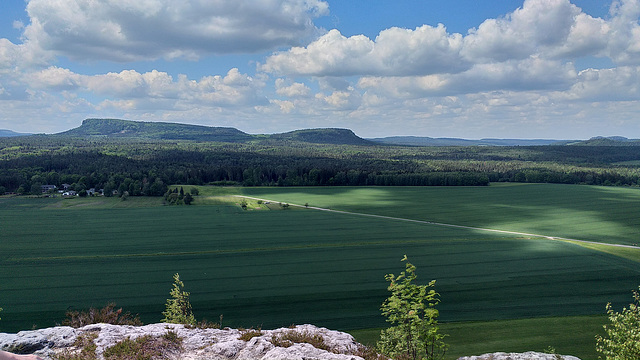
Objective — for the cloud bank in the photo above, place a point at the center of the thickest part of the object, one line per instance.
(520, 73)
(120, 30)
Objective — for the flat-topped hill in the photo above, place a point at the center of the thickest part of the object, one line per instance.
(117, 128)
(127, 129)
(324, 136)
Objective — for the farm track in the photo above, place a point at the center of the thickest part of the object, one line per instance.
(426, 222)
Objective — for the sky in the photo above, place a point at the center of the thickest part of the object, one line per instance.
(554, 69)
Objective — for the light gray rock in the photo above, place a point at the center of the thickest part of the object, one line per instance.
(519, 356)
(198, 344)
(214, 344)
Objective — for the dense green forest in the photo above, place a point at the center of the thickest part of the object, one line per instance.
(143, 159)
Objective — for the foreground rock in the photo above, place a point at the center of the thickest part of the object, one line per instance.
(304, 342)
(519, 356)
(209, 344)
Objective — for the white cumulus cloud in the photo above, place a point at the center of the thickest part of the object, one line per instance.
(129, 87)
(395, 51)
(536, 26)
(121, 30)
(291, 90)
(545, 29)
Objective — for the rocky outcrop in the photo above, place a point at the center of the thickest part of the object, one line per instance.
(197, 344)
(519, 356)
(304, 342)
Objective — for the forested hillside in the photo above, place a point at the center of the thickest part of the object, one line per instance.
(151, 156)
(115, 128)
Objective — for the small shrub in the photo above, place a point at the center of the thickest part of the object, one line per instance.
(552, 351)
(203, 324)
(250, 334)
(173, 338)
(145, 348)
(288, 338)
(368, 353)
(127, 349)
(108, 315)
(85, 349)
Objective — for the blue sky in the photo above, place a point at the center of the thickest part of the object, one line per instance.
(459, 68)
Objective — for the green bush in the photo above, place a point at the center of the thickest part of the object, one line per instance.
(411, 311)
(623, 333)
(178, 308)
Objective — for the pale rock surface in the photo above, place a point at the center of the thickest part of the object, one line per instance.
(198, 344)
(519, 356)
(214, 344)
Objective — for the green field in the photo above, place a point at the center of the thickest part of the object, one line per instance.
(569, 335)
(275, 268)
(597, 213)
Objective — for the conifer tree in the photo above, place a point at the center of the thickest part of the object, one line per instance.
(178, 308)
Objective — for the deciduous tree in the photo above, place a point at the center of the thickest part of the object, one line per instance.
(411, 311)
(622, 341)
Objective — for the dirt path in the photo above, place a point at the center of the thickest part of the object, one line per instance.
(548, 237)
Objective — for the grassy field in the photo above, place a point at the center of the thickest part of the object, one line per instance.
(276, 268)
(570, 335)
(597, 213)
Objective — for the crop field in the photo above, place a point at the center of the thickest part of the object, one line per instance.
(276, 268)
(596, 213)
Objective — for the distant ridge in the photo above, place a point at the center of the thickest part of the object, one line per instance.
(9, 133)
(429, 141)
(117, 128)
(324, 136)
(608, 141)
(128, 129)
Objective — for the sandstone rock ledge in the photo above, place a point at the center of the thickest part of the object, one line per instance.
(198, 344)
(519, 356)
(213, 344)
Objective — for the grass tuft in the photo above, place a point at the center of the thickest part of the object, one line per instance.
(203, 324)
(145, 348)
(250, 334)
(288, 338)
(368, 353)
(84, 348)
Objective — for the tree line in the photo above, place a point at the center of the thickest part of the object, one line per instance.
(148, 167)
